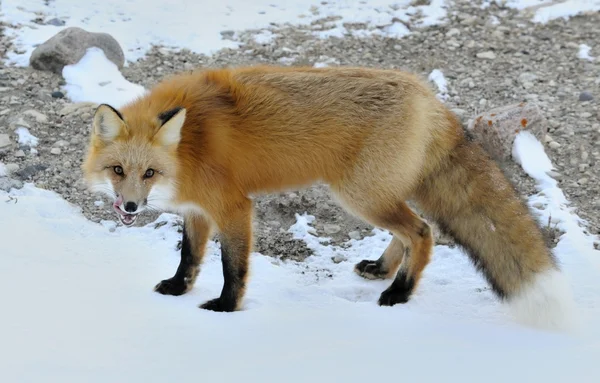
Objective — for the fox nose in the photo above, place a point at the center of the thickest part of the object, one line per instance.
(130, 207)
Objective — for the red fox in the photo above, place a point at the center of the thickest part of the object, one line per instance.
(202, 143)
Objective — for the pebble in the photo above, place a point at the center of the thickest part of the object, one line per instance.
(19, 153)
(488, 55)
(355, 234)
(55, 151)
(338, 258)
(586, 96)
(554, 145)
(330, 228)
(453, 32)
(586, 115)
(11, 168)
(582, 181)
(39, 117)
(4, 140)
(57, 94)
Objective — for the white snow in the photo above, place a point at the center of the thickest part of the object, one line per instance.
(438, 78)
(78, 306)
(197, 24)
(107, 85)
(24, 137)
(584, 52)
(548, 10)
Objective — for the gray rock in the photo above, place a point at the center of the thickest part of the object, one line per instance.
(586, 96)
(39, 117)
(69, 46)
(55, 151)
(496, 129)
(4, 140)
(56, 22)
(7, 183)
(488, 55)
(330, 228)
(30, 171)
(338, 258)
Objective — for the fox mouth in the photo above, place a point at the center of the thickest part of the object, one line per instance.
(126, 219)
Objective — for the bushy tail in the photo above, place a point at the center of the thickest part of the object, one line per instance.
(472, 201)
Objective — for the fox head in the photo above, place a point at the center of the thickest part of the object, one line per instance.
(133, 161)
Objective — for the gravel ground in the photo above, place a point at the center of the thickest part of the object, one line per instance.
(493, 59)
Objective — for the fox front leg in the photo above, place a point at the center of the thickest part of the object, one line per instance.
(235, 238)
(196, 231)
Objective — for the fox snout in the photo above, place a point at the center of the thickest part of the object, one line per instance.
(127, 209)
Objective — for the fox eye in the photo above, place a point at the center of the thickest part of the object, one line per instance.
(118, 170)
(149, 173)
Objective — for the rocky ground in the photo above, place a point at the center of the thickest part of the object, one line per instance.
(492, 59)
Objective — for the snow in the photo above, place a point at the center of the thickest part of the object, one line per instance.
(197, 24)
(548, 10)
(25, 138)
(107, 85)
(81, 308)
(584, 52)
(440, 81)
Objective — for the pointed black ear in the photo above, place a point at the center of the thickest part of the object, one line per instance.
(108, 123)
(171, 124)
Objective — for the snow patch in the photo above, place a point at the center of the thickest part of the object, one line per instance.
(106, 85)
(548, 10)
(25, 138)
(440, 81)
(584, 52)
(197, 24)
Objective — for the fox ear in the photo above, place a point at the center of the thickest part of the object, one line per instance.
(172, 121)
(108, 123)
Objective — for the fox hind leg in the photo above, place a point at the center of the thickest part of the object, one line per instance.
(196, 231)
(417, 237)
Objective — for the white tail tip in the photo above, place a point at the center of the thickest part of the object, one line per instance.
(546, 303)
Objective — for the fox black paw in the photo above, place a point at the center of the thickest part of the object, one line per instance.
(370, 269)
(171, 286)
(394, 295)
(218, 305)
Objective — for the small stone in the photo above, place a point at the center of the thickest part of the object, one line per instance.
(31, 170)
(582, 181)
(355, 234)
(39, 117)
(488, 55)
(61, 144)
(330, 228)
(11, 168)
(583, 167)
(460, 113)
(57, 94)
(19, 153)
(554, 145)
(527, 77)
(56, 22)
(586, 115)
(338, 258)
(4, 140)
(55, 151)
(586, 96)
(547, 139)
(555, 175)
(453, 32)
